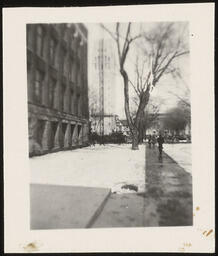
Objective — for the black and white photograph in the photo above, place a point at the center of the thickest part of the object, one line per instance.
(110, 138)
(118, 145)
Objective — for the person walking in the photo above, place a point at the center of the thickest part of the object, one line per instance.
(160, 141)
(153, 140)
(149, 141)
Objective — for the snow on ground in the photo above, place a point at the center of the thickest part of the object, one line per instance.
(181, 153)
(109, 166)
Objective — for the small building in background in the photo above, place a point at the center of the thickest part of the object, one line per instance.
(109, 124)
(58, 114)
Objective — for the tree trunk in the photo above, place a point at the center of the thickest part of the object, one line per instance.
(141, 131)
(135, 139)
(144, 98)
(133, 128)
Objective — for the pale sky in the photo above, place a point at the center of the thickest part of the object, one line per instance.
(164, 89)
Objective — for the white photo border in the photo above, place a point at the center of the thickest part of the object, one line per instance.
(16, 161)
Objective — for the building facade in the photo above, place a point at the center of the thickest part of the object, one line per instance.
(58, 114)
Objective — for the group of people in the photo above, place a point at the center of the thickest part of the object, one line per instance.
(153, 139)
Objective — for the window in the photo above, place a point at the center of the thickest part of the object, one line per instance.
(72, 71)
(39, 41)
(39, 131)
(78, 74)
(78, 105)
(63, 88)
(64, 128)
(72, 102)
(65, 64)
(66, 34)
(52, 88)
(79, 129)
(72, 44)
(72, 129)
(38, 86)
(52, 51)
(54, 126)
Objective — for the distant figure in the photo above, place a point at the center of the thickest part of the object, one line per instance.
(149, 141)
(160, 141)
(153, 140)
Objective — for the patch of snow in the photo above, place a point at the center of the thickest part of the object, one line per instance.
(181, 153)
(110, 166)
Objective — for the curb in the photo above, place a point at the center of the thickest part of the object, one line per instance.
(98, 211)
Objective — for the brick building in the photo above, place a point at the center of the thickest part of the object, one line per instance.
(57, 87)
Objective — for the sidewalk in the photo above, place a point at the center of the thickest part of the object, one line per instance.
(168, 190)
(167, 200)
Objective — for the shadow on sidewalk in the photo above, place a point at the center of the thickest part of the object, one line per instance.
(168, 191)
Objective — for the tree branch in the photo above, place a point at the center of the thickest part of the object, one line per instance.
(134, 38)
(137, 92)
(126, 38)
(181, 53)
(118, 40)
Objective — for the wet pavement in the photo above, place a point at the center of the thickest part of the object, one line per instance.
(169, 188)
(167, 200)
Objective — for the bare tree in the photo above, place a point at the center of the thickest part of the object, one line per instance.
(175, 120)
(159, 48)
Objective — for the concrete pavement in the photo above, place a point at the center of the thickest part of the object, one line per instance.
(59, 207)
(121, 210)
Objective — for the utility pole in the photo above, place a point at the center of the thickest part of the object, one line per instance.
(101, 87)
